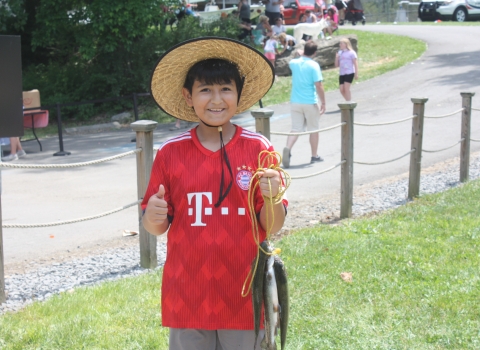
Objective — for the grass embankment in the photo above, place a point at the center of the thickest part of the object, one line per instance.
(378, 53)
(416, 285)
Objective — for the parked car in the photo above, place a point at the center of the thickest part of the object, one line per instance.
(449, 10)
(294, 8)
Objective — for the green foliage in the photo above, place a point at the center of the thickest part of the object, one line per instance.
(12, 15)
(77, 50)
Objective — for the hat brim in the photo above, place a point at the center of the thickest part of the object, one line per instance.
(169, 74)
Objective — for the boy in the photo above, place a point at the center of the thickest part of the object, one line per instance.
(198, 191)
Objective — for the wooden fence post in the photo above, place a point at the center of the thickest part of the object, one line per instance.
(346, 199)
(3, 297)
(465, 145)
(144, 136)
(262, 121)
(417, 140)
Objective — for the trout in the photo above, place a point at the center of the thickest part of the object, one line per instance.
(282, 288)
(271, 306)
(257, 286)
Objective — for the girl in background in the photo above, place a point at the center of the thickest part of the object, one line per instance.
(346, 59)
(271, 47)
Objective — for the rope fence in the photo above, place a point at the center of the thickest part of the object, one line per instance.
(386, 123)
(320, 172)
(475, 109)
(443, 149)
(66, 222)
(145, 152)
(69, 165)
(306, 132)
(444, 115)
(386, 161)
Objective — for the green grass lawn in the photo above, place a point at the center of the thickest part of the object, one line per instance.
(416, 285)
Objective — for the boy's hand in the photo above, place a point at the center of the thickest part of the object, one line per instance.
(275, 182)
(157, 208)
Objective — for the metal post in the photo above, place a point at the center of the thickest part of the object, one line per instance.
(3, 297)
(148, 243)
(60, 134)
(417, 141)
(465, 145)
(262, 121)
(346, 197)
(135, 106)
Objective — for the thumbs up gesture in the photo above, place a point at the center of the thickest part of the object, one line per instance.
(156, 211)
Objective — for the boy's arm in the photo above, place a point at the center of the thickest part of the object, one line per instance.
(278, 209)
(155, 218)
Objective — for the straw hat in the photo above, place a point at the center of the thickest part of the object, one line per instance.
(171, 70)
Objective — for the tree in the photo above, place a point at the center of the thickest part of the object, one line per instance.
(74, 50)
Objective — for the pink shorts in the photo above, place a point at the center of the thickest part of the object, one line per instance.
(270, 55)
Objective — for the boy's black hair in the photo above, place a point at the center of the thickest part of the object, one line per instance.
(214, 71)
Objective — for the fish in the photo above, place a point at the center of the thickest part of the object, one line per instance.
(271, 306)
(282, 289)
(257, 286)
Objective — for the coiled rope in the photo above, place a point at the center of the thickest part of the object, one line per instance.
(443, 149)
(70, 165)
(266, 160)
(71, 221)
(386, 123)
(444, 115)
(386, 161)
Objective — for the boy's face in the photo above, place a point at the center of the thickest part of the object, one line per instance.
(214, 104)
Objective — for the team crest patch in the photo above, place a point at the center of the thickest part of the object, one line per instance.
(244, 176)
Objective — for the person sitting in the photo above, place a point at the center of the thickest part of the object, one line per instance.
(263, 25)
(287, 41)
(303, 19)
(331, 19)
(310, 17)
(278, 27)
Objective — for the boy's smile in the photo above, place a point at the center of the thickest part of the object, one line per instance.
(214, 104)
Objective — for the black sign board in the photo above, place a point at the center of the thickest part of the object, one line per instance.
(11, 108)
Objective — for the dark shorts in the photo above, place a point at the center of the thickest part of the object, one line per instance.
(340, 5)
(272, 17)
(348, 78)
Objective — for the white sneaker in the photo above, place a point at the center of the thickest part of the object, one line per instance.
(21, 153)
(10, 157)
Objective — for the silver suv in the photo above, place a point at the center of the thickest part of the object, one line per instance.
(449, 10)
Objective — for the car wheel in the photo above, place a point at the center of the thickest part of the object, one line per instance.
(354, 23)
(460, 15)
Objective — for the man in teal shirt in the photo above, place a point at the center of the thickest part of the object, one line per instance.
(307, 101)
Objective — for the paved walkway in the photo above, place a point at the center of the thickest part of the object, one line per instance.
(451, 65)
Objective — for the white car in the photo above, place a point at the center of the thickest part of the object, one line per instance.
(449, 10)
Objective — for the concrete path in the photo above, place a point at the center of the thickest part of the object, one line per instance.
(451, 65)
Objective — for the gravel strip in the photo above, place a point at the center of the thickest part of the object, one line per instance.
(39, 285)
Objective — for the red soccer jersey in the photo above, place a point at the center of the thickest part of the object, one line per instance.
(209, 249)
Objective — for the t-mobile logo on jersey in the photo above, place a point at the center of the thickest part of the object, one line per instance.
(200, 210)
